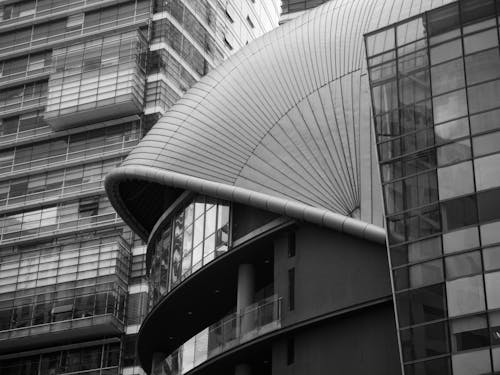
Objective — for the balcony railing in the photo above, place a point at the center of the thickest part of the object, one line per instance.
(23, 104)
(235, 329)
(118, 23)
(110, 149)
(52, 194)
(62, 227)
(25, 74)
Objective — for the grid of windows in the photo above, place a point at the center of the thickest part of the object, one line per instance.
(63, 282)
(436, 97)
(98, 142)
(25, 96)
(85, 23)
(79, 214)
(25, 66)
(96, 360)
(96, 74)
(56, 184)
(192, 238)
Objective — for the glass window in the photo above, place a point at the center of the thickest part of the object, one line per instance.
(447, 77)
(458, 213)
(486, 144)
(465, 295)
(492, 290)
(425, 341)
(482, 66)
(469, 333)
(480, 41)
(484, 96)
(458, 240)
(446, 51)
(486, 170)
(454, 152)
(472, 363)
(440, 366)
(414, 87)
(491, 257)
(421, 305)
(455, 180)
(416, 251)
(485, 121)
(385, 97)
(449, 131)
(463, 265)
(442, 21)
(490, 233)
(489, 205)
(419, 275)
(449, 106)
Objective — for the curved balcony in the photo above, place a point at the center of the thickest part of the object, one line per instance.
(233, 330)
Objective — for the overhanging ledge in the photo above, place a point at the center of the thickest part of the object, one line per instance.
(280, 206)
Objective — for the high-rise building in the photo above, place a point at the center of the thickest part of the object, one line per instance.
(260, 199)
(435, 82)
(80, 83)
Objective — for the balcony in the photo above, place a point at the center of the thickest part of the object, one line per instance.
(76, 318)
(61, 227)
(96, 88)
(235, 329)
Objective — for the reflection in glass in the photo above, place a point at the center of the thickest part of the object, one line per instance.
(449, 106)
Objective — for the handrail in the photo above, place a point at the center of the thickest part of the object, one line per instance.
(69, 156)
(51, 194)
(60, 227)
(257, 319)
(120, 22)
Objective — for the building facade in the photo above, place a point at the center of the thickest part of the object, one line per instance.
(81, 82)
(262, 195)
(436, 100)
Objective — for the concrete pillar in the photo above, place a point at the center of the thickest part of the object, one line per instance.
(242, 369)
(246, 286)
(244, 298)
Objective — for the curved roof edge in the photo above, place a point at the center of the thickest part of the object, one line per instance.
(281, 206)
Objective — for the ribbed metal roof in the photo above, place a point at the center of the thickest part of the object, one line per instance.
(284, 124)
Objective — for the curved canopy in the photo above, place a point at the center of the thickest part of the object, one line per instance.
(285, 125)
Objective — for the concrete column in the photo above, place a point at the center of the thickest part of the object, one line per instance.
(244, 298)
(242, 369)
(246, 286)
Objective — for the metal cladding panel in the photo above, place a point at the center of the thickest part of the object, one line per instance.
(288, 116)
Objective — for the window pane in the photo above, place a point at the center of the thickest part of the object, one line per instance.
(479, 41)
(469, 333)
(451, 130)
(486, 144)
(464, 239)
(426, 341)
(471, 363)
(465, 295)
(491, 257)
(446, 51)
(421, 305)
(458, 213)
(450, 106)
(419, 275)
(489, 205)
(482, 66)
(486, 170)
(463, 265)
(455, 180)
(447, 77)
(485, 96)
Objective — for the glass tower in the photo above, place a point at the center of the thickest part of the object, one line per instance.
(435, 85)
(81, 82)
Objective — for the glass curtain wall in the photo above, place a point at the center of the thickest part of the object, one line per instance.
(435, 85)
(193, 237)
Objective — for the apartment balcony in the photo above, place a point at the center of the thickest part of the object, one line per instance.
(75, 329)
(97, 88)
(235, 329)
(61, 227)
